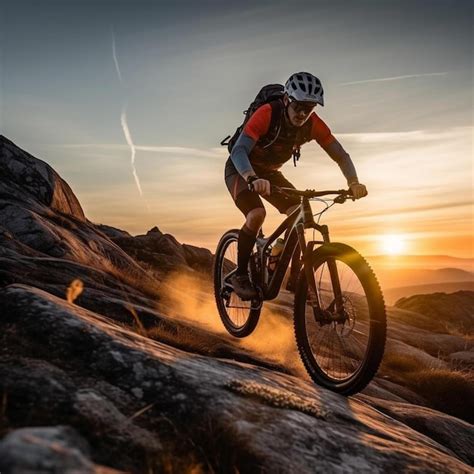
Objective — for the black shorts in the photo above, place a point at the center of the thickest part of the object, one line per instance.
(247, 200)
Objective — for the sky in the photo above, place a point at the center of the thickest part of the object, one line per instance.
(128, 101)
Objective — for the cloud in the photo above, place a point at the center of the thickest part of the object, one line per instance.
(393, 78)
(423, 136)
(407, 137)
(185, 152)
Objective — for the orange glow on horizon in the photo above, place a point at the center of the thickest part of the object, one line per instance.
(393, 244)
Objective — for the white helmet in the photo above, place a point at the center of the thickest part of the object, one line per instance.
(304, 87)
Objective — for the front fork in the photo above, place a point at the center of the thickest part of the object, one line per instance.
(336, 306)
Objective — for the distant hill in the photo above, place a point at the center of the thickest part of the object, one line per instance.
(453, 311)
(429, 262)
(403, 277)
(392, 295)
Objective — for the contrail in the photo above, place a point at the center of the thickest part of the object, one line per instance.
(394, 78)
(123, 120)
(114, 54)
(128, 137)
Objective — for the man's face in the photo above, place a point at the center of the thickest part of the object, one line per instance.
(299, 112)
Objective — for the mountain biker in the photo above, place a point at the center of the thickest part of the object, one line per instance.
(252, 163)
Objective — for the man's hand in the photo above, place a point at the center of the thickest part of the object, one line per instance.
(358, 190)
(261, 186)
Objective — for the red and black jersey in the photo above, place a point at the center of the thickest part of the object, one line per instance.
(289, 138)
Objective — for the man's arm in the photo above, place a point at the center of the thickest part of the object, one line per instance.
(254, 129)
(240, 155)
(342, 158)
(240, 158)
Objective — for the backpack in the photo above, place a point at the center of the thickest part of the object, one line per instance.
(269, 94)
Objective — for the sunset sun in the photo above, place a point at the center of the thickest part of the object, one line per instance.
(393, 244)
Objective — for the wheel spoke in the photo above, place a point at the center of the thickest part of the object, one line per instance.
(339, 349)
(238, 316)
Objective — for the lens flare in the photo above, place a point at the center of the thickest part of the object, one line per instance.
(393, 244)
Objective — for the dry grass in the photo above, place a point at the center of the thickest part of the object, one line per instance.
(139, 328)
(444, 389)
(399, 363)
(277, 398)
(183, 338)
(136, 278)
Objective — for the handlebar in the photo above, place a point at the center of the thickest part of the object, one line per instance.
(310, 193)
(342, 194)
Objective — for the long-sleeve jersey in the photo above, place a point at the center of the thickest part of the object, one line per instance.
(247, 155)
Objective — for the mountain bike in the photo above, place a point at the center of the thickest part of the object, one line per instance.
(339, 312)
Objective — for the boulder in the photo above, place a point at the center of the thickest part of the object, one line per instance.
(45, 449)
(223, 415)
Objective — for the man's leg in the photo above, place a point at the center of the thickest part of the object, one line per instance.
(247, 236)
(286, 205)
(251, 206)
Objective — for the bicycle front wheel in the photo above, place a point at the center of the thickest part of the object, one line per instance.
(238, 316)
(341, 342)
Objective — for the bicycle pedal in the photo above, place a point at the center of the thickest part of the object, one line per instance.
(257, 304)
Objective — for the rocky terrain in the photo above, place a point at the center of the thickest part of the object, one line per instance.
(112, 359)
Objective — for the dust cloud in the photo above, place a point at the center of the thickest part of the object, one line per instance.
(190, 297)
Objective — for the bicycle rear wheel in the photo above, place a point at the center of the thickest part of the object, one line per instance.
(239, 317)
(342, 343)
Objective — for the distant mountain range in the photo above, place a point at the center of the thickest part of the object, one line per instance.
(409, 275)
(392, 295)
(429, 262)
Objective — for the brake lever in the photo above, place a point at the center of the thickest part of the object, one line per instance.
(277, 190)
(342, 198)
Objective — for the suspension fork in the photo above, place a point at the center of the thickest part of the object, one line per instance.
(336, 286)
(307, 250)
(333, 273)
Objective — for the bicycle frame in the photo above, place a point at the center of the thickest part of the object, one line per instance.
(294, 226)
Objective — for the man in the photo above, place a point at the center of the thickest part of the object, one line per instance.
(253, 161)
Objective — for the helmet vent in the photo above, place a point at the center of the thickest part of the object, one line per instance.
(303, 86)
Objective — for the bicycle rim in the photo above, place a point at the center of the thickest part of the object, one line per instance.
(342, 344)
(237, 315)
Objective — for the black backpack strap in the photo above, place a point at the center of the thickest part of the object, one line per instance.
(276, 120)
(303, 136)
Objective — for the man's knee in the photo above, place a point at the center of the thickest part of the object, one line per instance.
(255, 218)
